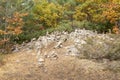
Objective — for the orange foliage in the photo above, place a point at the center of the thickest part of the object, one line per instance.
(14, 26)
(111, 14)
(2, 32)
(15, 23)
(17, 30)
(3, 41)
(116, 30)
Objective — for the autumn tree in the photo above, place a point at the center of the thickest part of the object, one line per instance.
(101, 12)
(111, 13)
(87, 10)
(11, 21)
(47, 13)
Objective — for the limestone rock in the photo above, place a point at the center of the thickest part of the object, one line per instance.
(59, 44)
(72, 50)
(41, 61)
(52, 55)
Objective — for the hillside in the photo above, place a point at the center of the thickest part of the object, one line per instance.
(79, 55)
(59, 39)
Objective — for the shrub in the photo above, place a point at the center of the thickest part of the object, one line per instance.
(98, 48)
(64, 26)
(27, 36)
(89, 26)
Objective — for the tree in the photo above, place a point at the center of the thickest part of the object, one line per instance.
(47, 13)
(11, 20)
(87, 10)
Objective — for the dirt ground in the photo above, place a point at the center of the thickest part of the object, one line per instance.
(23, 66)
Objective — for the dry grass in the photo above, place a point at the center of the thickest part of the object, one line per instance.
(1, 59)
(97, 48)
(18, 67)
(24, 66)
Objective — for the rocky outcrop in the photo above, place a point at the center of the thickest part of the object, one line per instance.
(82, 43)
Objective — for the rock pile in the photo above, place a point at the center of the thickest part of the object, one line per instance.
(79, 39)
